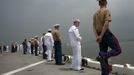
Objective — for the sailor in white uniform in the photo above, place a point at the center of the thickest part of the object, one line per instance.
(29, 47)
(75, 40)
(7, 48)
(49, 42)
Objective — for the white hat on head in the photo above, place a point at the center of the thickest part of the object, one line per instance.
(77, 20)
(56, 25)
(49, 29)
(32, 38)
(36, 36)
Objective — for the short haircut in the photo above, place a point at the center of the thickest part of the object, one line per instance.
(102, 2)
(56, 27)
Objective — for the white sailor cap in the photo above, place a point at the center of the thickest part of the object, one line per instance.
(77, 20)
(49, 29)
(32, 38)
(36, 36)
(56, 25)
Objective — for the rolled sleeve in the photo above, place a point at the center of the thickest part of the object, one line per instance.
(107, 16)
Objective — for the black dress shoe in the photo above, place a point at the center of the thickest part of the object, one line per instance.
(81, 69)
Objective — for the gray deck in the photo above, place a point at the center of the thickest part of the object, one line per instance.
(12, 61)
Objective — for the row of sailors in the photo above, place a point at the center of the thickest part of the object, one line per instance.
(52, 40)
(49, 41)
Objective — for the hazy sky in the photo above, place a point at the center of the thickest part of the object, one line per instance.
(21, 19)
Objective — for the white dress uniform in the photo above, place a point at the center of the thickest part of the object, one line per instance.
(75, 40)
(7, 48)
(29, 47)
(21, 47)
(41, 43)
(38, 47)
(49, 42)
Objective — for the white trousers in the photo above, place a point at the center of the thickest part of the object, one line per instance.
(29, 50)
(76, 58)
(49, 52)
(7, 50)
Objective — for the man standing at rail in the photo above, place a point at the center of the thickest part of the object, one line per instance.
(104, 36)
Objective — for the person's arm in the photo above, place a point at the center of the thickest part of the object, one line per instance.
(107, 19)
(77, 34)
(104, 29)
(52, 40)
